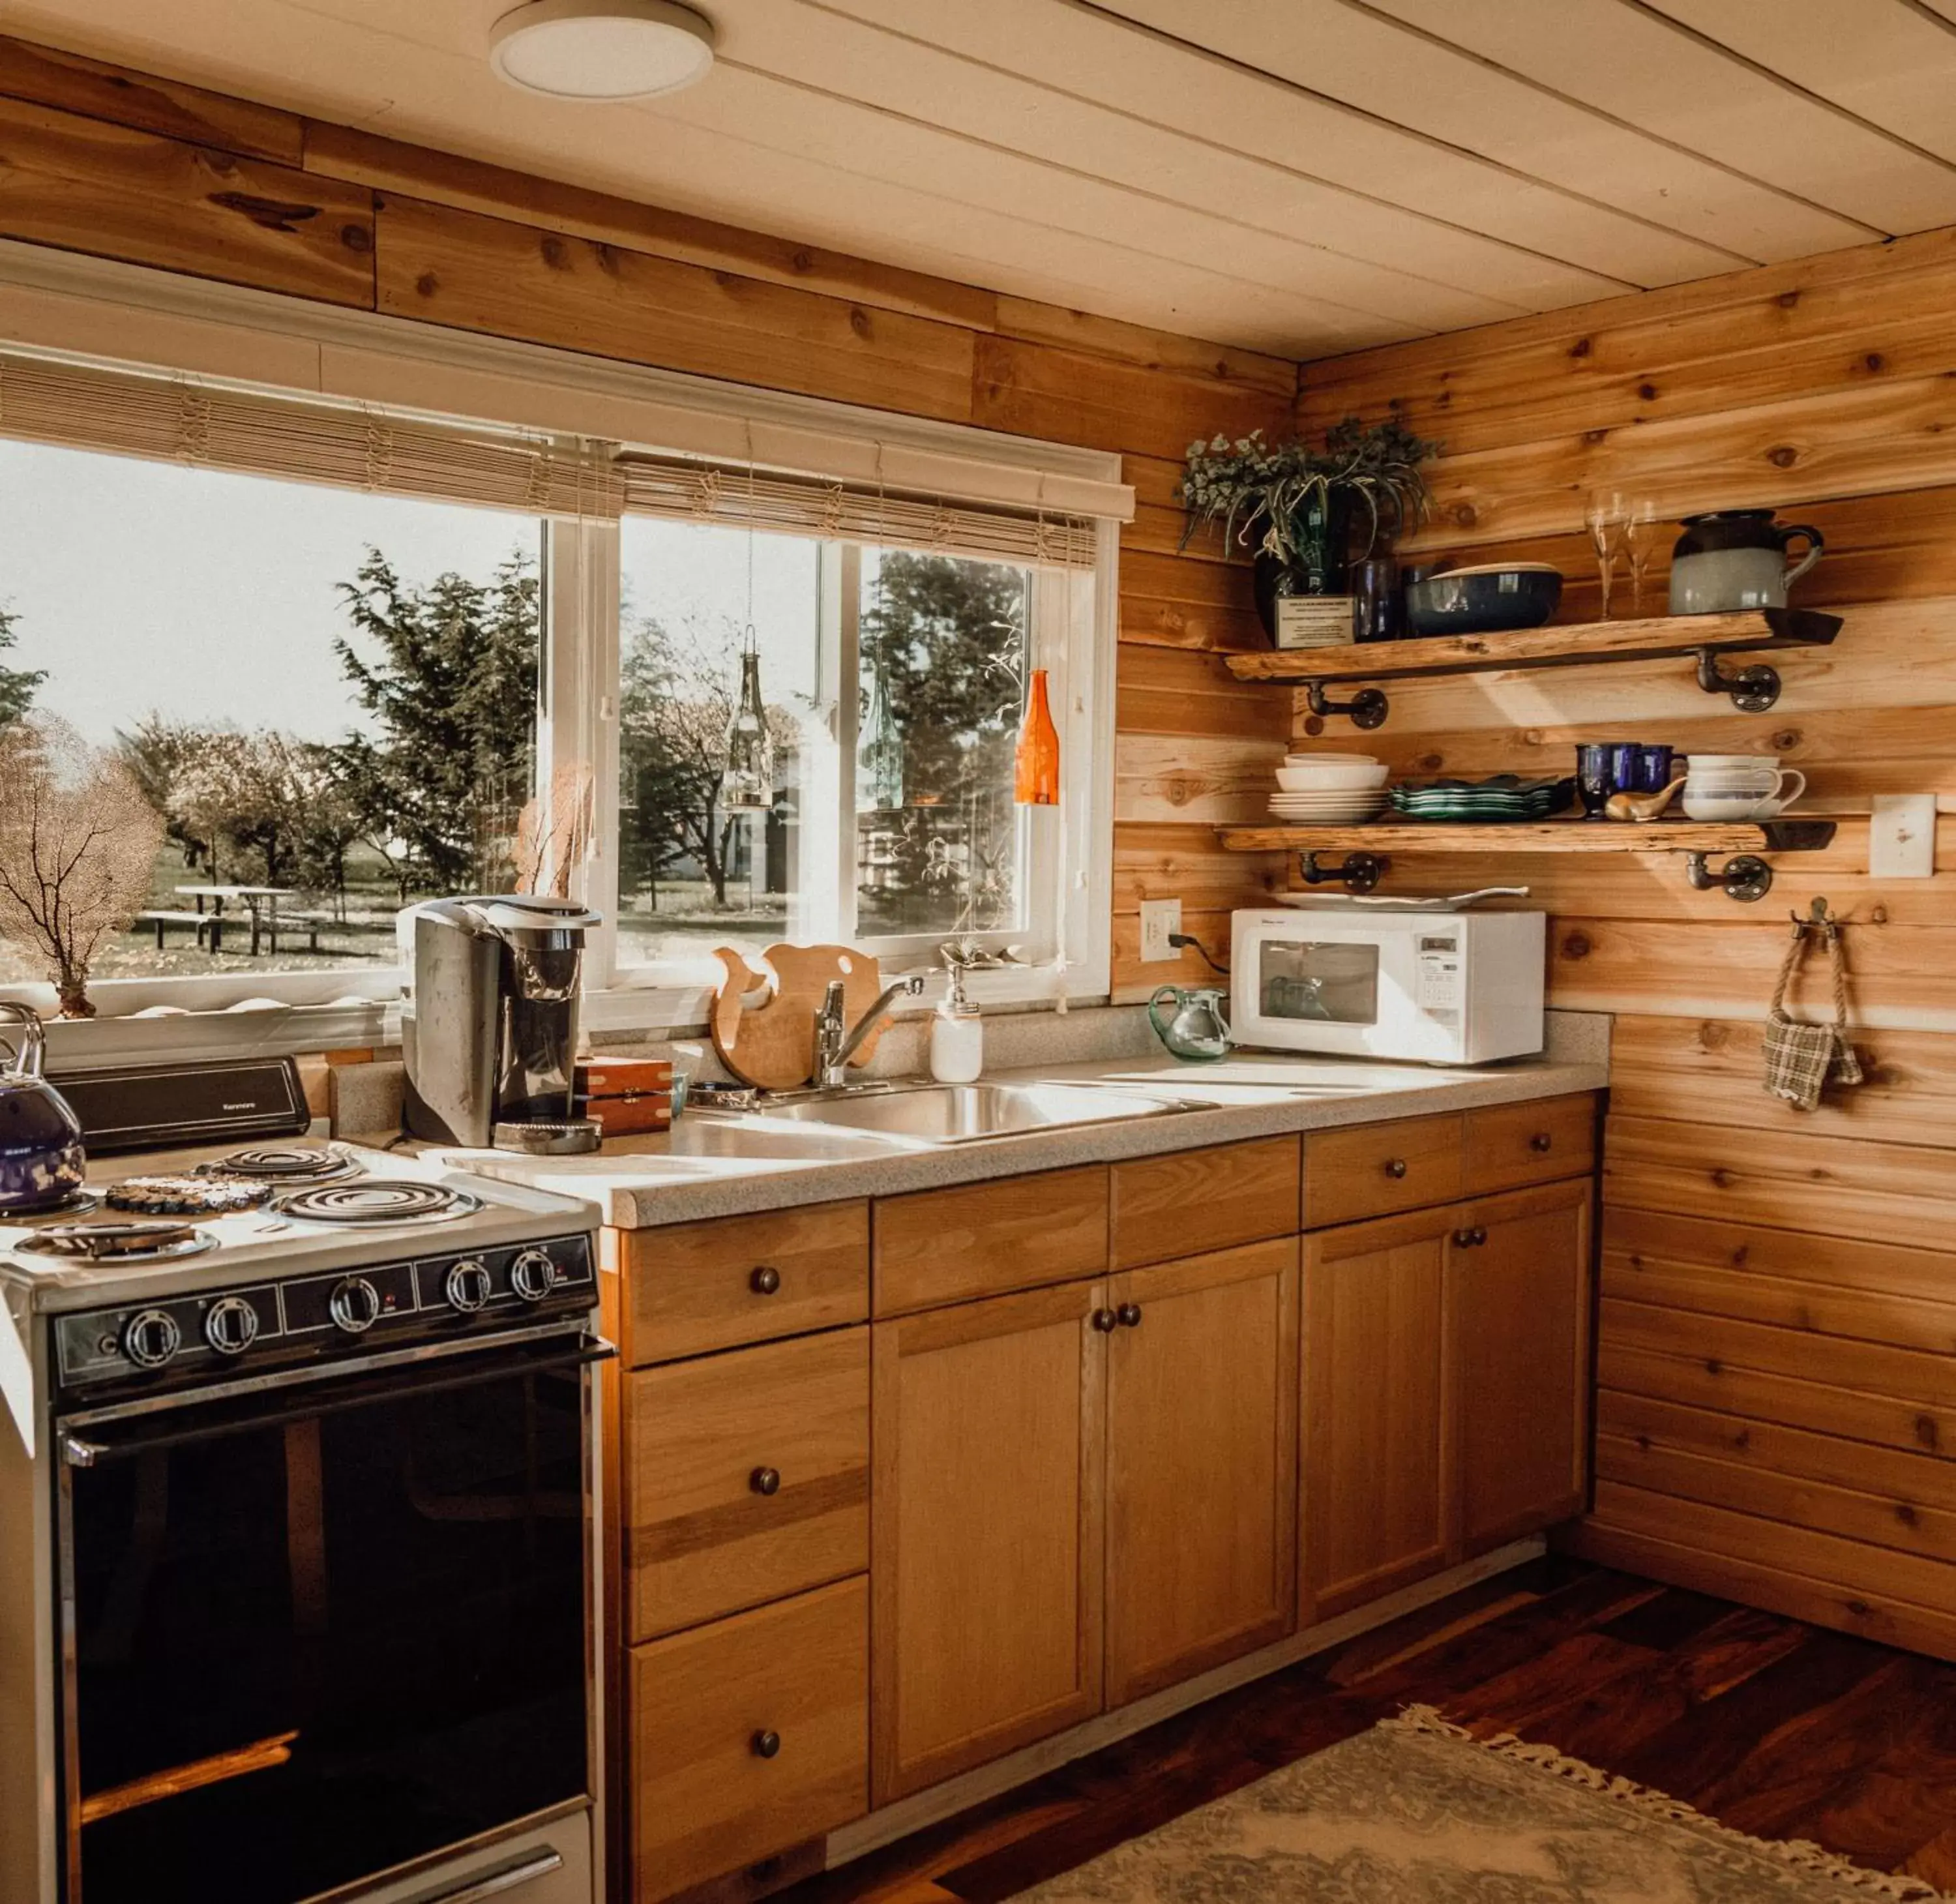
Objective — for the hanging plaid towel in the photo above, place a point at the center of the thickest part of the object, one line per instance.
(1802, 1060)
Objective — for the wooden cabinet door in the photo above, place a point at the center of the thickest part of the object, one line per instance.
(1201, 1463)
(1520, 1361)
(1379, 1459)
(985, 1525)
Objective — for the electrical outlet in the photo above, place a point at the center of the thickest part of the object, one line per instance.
(1159, 918)
(1901, 836)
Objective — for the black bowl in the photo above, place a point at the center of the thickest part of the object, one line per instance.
(1485, 601)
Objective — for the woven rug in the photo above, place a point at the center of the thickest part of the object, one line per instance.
(1416, 1811)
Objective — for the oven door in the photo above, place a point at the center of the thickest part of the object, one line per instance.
(314, 1630)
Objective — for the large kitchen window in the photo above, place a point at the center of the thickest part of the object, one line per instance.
(355, 657)
(327, 696)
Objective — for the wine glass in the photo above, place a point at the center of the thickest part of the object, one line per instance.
(1640, 539)
(1608, 520)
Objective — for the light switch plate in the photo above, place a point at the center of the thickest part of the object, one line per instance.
(1901, 837)
(1159, 918)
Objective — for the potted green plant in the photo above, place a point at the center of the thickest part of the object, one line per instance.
(1302, 509)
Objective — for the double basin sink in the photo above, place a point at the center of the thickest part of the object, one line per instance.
(908, 1113)
(940, 1114)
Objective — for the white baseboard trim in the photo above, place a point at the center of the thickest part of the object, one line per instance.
(941, 1801)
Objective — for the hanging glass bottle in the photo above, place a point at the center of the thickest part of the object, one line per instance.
(747, 781)
(747, 784)
(881, 749)
(1036, 766)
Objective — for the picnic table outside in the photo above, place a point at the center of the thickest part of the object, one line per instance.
(260, 901)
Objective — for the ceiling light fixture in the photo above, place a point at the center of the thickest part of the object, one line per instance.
(601, 49)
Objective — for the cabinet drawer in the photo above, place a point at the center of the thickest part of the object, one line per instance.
(1509, 1146)
(938, 1247)
(1191, 1202)
(705, 1706)
(697, 1287)
(1373, 1170)
(705, 1438)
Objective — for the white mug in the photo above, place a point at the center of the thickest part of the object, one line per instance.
(1754, 794)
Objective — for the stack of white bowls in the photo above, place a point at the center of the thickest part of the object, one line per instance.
(1739, 786)
(1330, 789)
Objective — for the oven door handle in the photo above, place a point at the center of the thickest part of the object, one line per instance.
(90, 1440)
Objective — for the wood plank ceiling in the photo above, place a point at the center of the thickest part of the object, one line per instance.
(1303, 177)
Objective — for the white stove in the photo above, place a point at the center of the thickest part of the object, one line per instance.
(258, 1394)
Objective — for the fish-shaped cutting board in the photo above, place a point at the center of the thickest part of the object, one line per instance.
(764, 1020)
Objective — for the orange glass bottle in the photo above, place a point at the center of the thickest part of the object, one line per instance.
(1035, 766)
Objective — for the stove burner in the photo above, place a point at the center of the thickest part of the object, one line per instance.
(77, 1203)
(378, 1200)
(188, 1196)
(284, 1164)
(126, 1242)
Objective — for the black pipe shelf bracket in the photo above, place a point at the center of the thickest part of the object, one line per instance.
(1744, 876)
(1368, 708)
(1754, 689)
(1357, 873)
(1747, 877)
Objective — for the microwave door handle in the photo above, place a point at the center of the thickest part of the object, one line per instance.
(91, 1439)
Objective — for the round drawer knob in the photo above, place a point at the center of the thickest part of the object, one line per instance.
(1541, 1143)
(1128, 1315)
(1396, 1167)
(1103, 1321)
(765, 1480)
(1463, 1240)
(1480, 1235)
(765, 1745)
(765, 1281)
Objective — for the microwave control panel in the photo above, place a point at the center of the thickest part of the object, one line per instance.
(1437, 985)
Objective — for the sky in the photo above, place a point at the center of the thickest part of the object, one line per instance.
(146, 587)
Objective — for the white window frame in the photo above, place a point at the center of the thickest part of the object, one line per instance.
(1064, 637)
(132, 314)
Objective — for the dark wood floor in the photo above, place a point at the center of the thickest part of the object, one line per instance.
(1776, 1727)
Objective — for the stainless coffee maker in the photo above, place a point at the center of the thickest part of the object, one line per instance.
(489, 1031)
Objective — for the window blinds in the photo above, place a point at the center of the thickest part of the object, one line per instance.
(896, 498)
(205, 425)
(701, 492)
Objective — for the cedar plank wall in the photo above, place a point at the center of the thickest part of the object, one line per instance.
(126, 167)
(1777, 1412)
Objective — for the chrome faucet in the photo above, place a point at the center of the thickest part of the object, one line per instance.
(836, 1042)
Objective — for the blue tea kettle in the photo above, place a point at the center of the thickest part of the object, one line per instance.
(41, 1160)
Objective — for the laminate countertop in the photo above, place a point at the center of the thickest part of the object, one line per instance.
(719, 1167)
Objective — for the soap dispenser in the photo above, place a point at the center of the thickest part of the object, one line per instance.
(957, 1035)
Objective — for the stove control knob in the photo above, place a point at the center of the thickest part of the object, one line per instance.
(231, 1325)
(467, 1285)
(533, 1275)
(355, 1304)
(150, 1337)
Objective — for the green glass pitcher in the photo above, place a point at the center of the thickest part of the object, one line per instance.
(1200, 1029)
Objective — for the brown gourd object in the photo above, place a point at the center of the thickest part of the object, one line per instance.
(769, 1041)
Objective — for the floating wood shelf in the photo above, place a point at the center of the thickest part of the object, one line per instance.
(1368, 848)
(1579, 645)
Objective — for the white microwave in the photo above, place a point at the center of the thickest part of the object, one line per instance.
(1426, 987)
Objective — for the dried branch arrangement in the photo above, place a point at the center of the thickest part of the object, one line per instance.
(553, 834)
(78, 841)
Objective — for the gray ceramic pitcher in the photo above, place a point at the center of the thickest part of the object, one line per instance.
(1736, 558)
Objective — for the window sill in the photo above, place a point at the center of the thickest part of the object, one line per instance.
(182, 1037)
(279, 1030)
